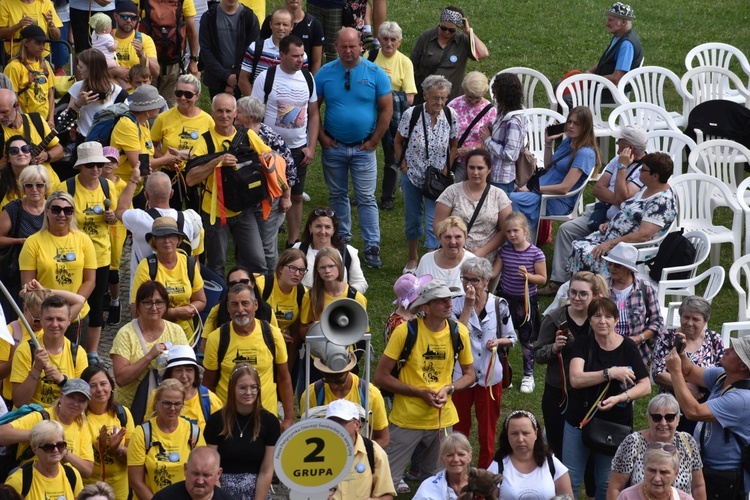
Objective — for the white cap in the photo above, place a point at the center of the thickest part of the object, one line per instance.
(343, 409)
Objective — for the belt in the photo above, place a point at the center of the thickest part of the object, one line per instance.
(349, 144)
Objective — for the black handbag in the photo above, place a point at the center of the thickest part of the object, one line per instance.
(10, 271)
(435, 182)
(604, 436)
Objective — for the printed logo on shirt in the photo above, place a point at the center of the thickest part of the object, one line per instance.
(246, 355)
(49, 391)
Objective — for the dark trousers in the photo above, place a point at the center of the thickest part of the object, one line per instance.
(390, 168)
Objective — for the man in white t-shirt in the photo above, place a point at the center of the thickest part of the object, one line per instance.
(292, 112)
(254, 63)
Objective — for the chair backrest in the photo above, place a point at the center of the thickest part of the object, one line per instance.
(649, 83)
(709, 83)
(586, 90)
(716, 54)
(743, 198)
(672, 143)
(535, 85)
(538, 120)
(714, 278)
(693, 193)
(739, 278)
(646, 116)
(720, 158)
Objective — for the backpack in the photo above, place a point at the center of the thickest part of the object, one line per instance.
(70, 186)
(674, 250)
(105, 121)
(550, 464)
(163, 20)
(320, 391)
(153, 267)
(9, 461)
(184, 245)
(271, 75)
(27, 475)
(268, 288)
(192, 440)
(36, 120)
(224, 332)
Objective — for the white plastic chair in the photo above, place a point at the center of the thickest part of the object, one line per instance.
(739, 278)
(672, 143)
(722, 159)
(741, 327)
(693, 193)
(722, 55)
(708, 83)
(683, 288)
(538, 120)
(577, 207)
(646, 116)
(648, 83)
(530, 80)
(743, 198)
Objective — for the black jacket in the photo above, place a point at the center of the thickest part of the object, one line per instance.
(215, 75)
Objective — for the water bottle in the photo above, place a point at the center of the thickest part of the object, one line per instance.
(161, 361)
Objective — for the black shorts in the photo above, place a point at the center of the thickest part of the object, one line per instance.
(298, 156)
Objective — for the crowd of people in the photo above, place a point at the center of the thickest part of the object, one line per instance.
(196, 369)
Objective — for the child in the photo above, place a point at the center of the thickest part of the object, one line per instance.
(117, 237)
(139, 75)
(518, 261)
(102, 39)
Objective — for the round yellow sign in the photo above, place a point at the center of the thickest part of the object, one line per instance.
(313, 455)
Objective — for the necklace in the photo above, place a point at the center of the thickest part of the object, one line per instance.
(472, 196)
(242, 430)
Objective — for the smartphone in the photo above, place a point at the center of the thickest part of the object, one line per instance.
(555, 129)
(679, 344)
(144, 158)
(564, 328)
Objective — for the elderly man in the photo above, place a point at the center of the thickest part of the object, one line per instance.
(625, 51)
(619, 182)
(422, 403)
(368, 478)
(722, 431)
(202, 474)
(358, 111)
(307, 28)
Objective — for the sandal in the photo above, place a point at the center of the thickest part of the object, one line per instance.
(403, 488)
(549, 290)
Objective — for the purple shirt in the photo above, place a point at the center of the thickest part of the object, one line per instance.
(511, 282)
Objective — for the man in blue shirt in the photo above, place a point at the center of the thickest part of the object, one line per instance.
(624, 51)
(358, 111)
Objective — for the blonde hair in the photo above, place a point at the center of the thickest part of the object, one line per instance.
(34, 173)
(169, 384)
(191, 80)
(520, 219)
(45, 431)
(450, 222)
(475, 84)
(60, 195)
(597, 283)
(100, 21)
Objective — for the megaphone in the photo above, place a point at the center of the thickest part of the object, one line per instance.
(344, 322)
(335, 357)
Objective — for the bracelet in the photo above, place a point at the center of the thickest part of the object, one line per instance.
(35, 377)
(643, 338)
(131, 180)
(627, 396)
(606, 374)
(451, 389)
(62, 382)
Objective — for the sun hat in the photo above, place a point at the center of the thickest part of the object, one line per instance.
(343, 409)
(34, 32)
(742, 347)
(407, 288)
(321, 365)
(76, 385)
(164, 226)
(111, 152)
(635, 135)
(146, 98)
(621, 10)
(435, 289)
(126, 6)
(624, 254)
(180, 355)
(90, 152)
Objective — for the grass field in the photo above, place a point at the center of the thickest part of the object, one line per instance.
(551, 37)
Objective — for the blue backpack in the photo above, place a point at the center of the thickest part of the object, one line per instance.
(105, 121)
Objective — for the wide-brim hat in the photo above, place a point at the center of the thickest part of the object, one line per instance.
(34, 32)
(164, 226)
(621, 10)
(76, 385)
(146, 98)
(180, 355)
(320, 364)
(90, 152)
(435, 289)
(407, 288)
(624, 254)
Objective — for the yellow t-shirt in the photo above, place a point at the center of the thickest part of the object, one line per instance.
(368, 483)
(117, 472)
(34, 134)
(213, 316)
(251, 349)
(11, 12)
(126, 137)
(90, 216)
(176, 281)
(257, 6)
(59, 261)
(400, 70)
(175, 130)
(126, 344)
(5, 353)
(188, 8)
(429, 366)
(165, 460)
(47, 390)
(377, 405)
(77, 435)
(36, 96)
(200, 148)
(284, 306)
(193, 407)
(44, 488)
(118, 234)
(126, 54)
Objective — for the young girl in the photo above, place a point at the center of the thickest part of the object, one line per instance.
(102, 39)
(117, 235)
(519, 261)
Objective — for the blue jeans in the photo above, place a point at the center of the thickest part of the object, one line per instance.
(415, 206)
(508, 188)
(575, 456)
(363, 165)
(60, 50)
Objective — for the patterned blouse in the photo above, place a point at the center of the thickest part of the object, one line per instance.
(438, 140)
(466, 114)
(706, 356)
(276, 142)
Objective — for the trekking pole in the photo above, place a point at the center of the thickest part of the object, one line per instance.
(21, 317)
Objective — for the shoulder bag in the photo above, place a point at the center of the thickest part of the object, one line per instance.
(435, 180)
(526, 165)
(10, 272)
(502, 352)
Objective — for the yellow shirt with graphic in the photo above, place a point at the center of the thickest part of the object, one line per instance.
(284, 306)
(34, 134)
(175, 130)
(47, 390)
(117, 231)
(193, 407)
(35, 97)
(46, 488)
(250, 349)
(59, 261)
(77, 435)
(129, 136)
(12, 12)
(213, 316)
(90, 216)
(430, 366)
(165, 460)
(5, 353)
(117, 472)
(126, 54)
(201, 148)
(176, 281)
(377, 405)
(400, 70)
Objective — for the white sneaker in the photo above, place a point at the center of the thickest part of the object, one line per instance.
(306, 197)
(527, 385)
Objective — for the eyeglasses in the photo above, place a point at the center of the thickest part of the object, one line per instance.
(348, 80)
(669, 417)
(296, 270)
(159, 304)
(128, 17)
(93, 165)
(320, 212)
(172, 404)
(244, 281)
(473, 281)
(645, 170)
(186, 93)
(250, 389)
(14, 150)
(39, 186)
(51, 447)
(446, 28)
(56, 209)
(36, 320)
(581, 295)
(669, 448)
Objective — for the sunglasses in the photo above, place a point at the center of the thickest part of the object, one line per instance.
(669, 448)
(128, 17)
(244, 281)
(446, 28)
(39, 186)
(320, 212)
(93, 165)
(51, 447)
(348, 80)
(186, 93)
(56, 209)
(14, 150)
(669, 417)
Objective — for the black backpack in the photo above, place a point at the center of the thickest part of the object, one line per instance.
(153, 266)
(27, 475)
(271, 75)
(674, 250)
(224, 332)
(184, 245)
(70, 186)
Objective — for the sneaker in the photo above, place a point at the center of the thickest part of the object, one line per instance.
(527, 384)
(114, 314)
(372, 257)
(306, 197)
(387, 205)
(403, 488)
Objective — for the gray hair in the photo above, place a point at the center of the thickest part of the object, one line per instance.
(454, 441)
(659, 455)
(252, 108)
(46, 431)
(391, 28)
(436, 82)
(158, 185)
(34, 173)
(663, 400)
(695, 303)
(475, 84)
(191, 80)
(478, 266)
(223, 95)
(97, 489)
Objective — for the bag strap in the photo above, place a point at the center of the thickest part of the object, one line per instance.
(370, 453)
(479, 207)
(223, 346)
(139, 334)
(594, 406)
(268, 85)
(205, 401)
(473, 123)
(415, 114)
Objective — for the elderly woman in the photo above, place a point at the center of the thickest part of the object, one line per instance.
(490, 329)
(505, 136)
(628, 465)
(661, 463)
(474, 112)
(444, 51)
(529, 469)
(51, 478)
(645, 216)
(568, 168)
(403, 89)
(704, 347)
(429, 143)
(455, 455)
(463, 199)
(606, 376)
(444, 264)
(172, 268)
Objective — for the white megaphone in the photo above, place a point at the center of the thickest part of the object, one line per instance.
(344, 322)
(335, 357)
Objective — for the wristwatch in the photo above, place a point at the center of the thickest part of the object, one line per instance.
(606, 374)
(194, 58)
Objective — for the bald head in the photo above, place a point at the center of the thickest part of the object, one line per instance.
(205, 455)
(202, 472)
(348, 47)
(8, 105)
(158, 188)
